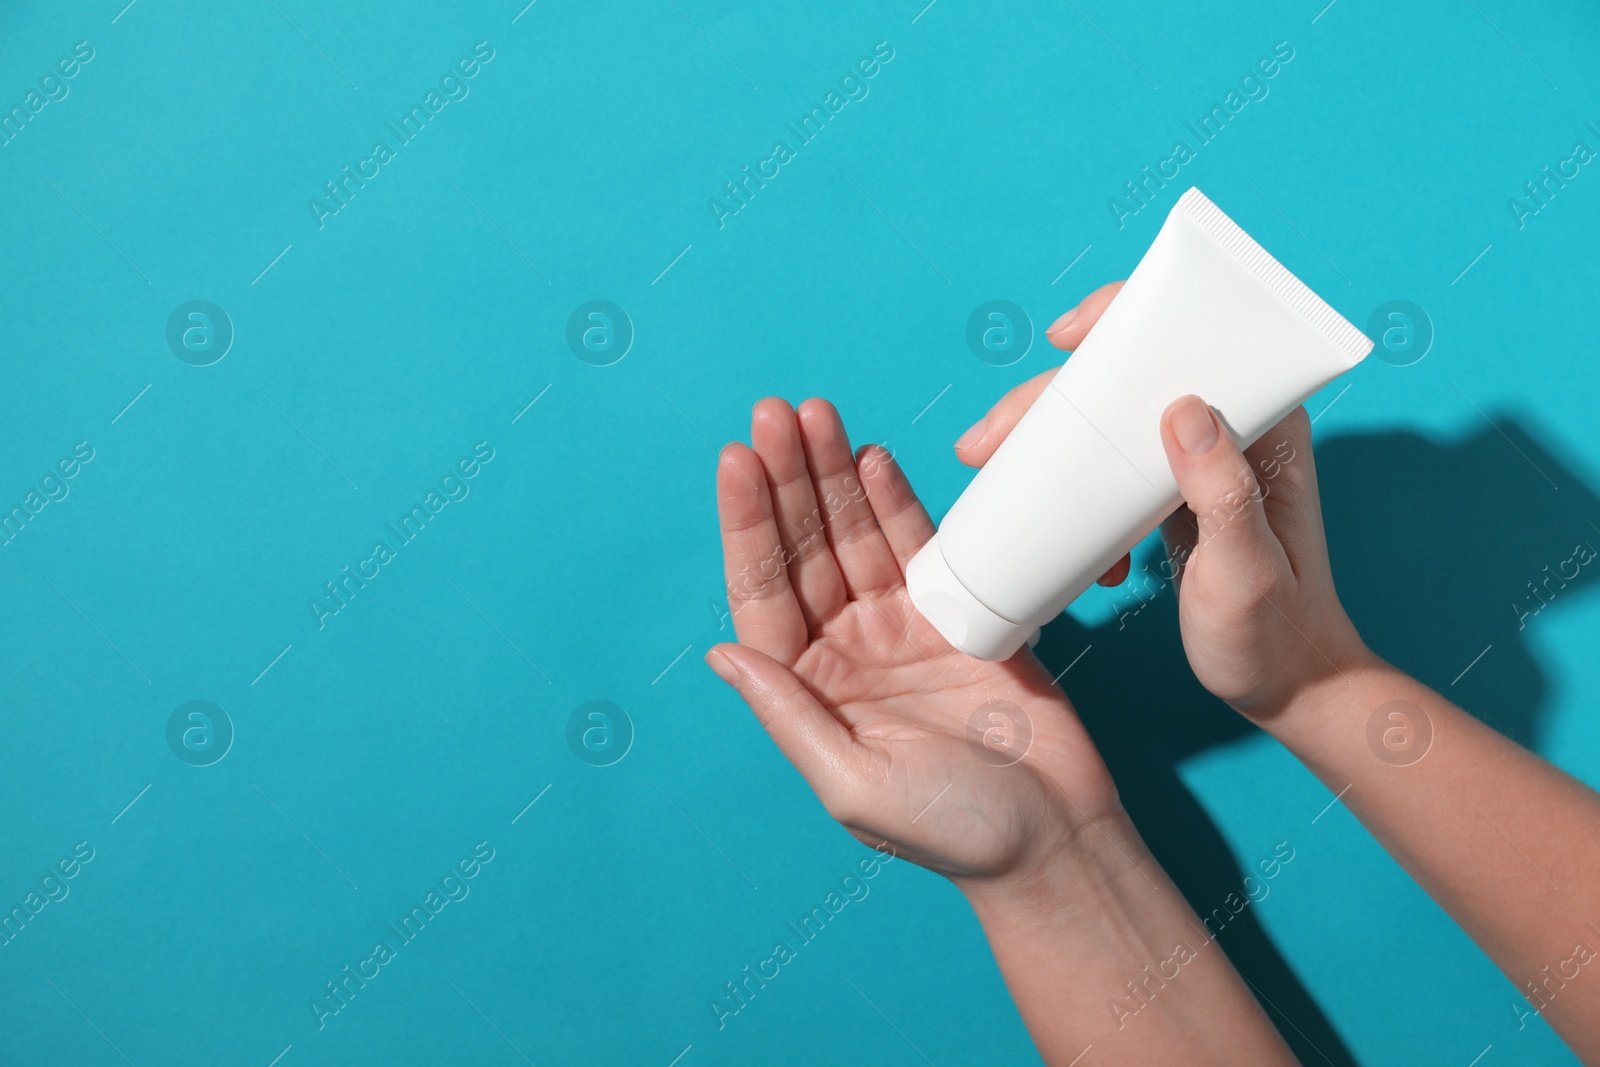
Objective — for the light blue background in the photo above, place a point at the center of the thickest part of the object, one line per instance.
(411, 327)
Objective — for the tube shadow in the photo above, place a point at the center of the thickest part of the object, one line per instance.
(1443, 551)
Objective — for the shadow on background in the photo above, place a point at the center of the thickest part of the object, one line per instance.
(1437, 548)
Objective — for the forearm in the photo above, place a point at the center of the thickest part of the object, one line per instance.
(1502, 840)
(1100, 949)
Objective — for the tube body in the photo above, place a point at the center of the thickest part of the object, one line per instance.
(1083, 478)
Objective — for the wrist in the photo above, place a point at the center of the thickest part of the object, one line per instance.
(1325, 709)
(1085, 870)
(1329, 657)
(1099, 948)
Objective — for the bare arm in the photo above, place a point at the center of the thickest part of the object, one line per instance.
(874, 709)
(1102, 953)
(1506, 843)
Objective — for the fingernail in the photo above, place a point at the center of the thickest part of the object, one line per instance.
(1062, 323)
(723, 666)
(1193, 425)
(973, 435)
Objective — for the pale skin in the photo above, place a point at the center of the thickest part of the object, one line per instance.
(871, 706)
(1502, 840)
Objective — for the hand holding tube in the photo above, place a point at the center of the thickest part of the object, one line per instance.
(1259, 615)
(1501, 839)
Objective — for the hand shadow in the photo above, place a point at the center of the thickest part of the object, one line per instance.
(1443, 551)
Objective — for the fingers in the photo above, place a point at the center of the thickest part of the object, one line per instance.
(1283, 465)
(821, 747)
(813, 572)
(765, 612)
(865, 559)
(901, 516)
(980, 441)
(1067, 332)
(1219, 487)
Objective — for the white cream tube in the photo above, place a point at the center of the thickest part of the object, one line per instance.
(1083, 477)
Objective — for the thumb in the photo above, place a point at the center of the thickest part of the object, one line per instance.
(821, 747)
(1218, 485)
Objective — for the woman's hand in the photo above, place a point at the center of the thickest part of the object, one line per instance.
(1256, 603)
(1261, 622)
(888, 724)
(860, 692)
(1499, 838)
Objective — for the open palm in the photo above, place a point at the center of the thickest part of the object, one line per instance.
(967, 767)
